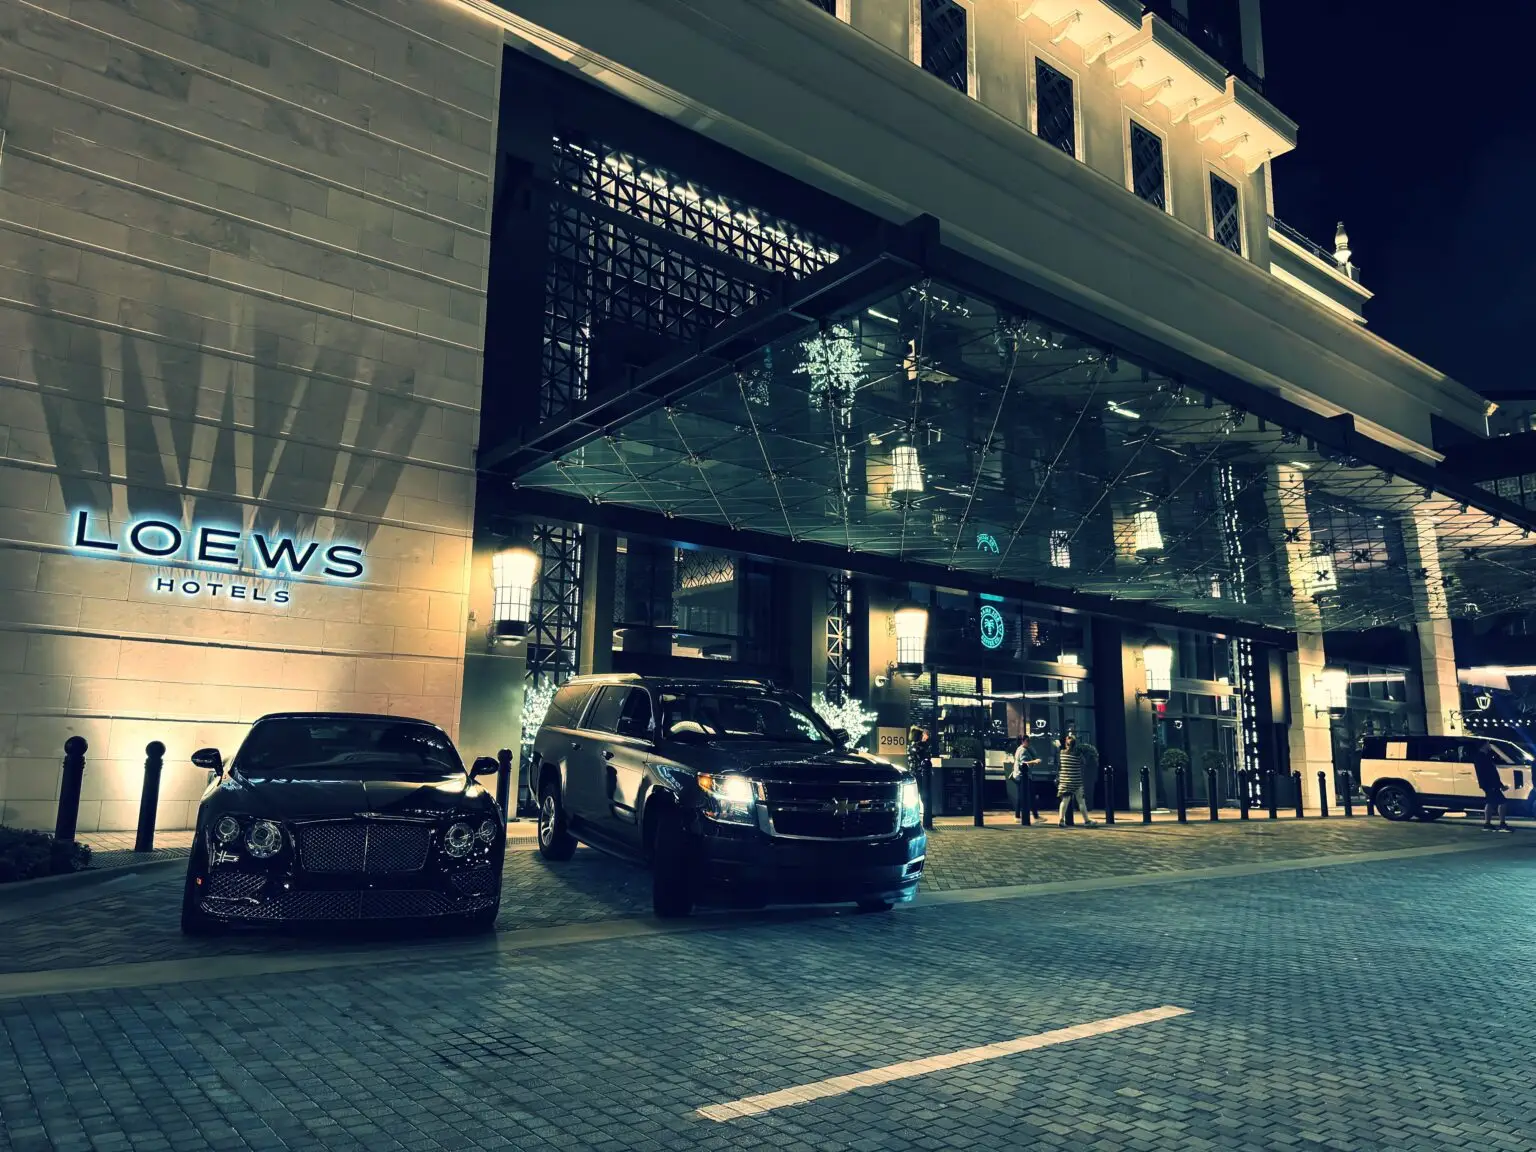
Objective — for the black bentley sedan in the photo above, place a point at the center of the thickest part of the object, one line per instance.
(343, 817)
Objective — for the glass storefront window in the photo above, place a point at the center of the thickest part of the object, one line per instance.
(694, 603)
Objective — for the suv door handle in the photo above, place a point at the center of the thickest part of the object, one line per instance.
(575, 743)
(607, 753)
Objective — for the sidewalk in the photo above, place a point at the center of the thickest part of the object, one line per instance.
(997, 817)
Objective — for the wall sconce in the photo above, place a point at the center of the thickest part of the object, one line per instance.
(1149, 533)
(1333, 685)
(1157, 655)
(513, 571)
(911, 621)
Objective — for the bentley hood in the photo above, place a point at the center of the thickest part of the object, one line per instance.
(340, 794)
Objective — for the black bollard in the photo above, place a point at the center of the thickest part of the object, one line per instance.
(504, 782)
(979, 802)
(1181, 791)
(1300, 811)
(1271, 795)
(149, 798)
(1109, 794)
(926, 784)
(1346, 789)
(1244, 779)
(68, 819)
(1026, 791)
(1322, 794)
(1146, 795)
(1210, 789)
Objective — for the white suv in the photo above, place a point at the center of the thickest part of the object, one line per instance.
(1427, 776)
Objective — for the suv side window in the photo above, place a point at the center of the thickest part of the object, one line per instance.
(635, 720)
(610, 705)
(566, 707)
(1449, 751)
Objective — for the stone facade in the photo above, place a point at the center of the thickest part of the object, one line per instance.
(243, 254)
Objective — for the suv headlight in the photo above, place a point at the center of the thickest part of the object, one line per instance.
(729, 799)
(911, 804)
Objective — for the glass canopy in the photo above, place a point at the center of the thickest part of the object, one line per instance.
(936, 428)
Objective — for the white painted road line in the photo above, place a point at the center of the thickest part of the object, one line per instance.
(838, 1085)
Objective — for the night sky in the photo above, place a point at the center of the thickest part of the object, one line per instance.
(1416, 128)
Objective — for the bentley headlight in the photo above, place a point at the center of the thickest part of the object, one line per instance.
(227, 830)
(264, 839)
(460, 839)
(911, 804)
(730, 799)
(487, 832)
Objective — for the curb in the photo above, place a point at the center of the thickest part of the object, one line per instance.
(20, 891)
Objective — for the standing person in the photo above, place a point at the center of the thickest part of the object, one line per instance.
(1486, 763)
(1071, 780)
(1024, 765)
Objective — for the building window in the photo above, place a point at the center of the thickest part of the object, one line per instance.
(828, 6)
(944, 35)
(1226, 216)
(1148, 179)
(1055, 110)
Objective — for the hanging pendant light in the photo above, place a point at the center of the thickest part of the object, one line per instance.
(906, 470)
(1149, 533)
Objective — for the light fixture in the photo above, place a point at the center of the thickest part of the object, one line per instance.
(906, 469)
(911, 622)
(1322, 575)
(1061, 548)
(1333, 684)
(513, 571)
(1157, 655)
(1149, 533)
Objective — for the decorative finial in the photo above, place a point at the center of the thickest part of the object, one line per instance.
(1341, 252)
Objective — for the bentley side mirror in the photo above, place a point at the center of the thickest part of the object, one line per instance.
(840, 737)
(483, 766)
(210, 759)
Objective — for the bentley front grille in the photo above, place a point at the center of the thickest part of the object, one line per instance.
(375, 847)
(364, 905)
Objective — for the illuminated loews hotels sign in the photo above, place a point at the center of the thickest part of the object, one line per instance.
(254, 556)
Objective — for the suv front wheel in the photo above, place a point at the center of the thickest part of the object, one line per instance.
(555, 839)
(1396, 802)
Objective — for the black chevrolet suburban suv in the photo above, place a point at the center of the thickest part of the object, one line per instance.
(733, 792)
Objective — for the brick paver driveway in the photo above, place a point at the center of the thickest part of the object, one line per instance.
(1378, 1005)
(140, 923)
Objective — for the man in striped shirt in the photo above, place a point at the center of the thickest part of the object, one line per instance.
(1071, 781)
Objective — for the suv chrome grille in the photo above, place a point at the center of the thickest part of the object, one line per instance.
(375, 847)
(832, 810)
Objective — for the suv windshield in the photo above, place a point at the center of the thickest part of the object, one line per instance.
(741, 716)
(316, 746)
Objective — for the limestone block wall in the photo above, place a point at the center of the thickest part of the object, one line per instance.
(243, 251)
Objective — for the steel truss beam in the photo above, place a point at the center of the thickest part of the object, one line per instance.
(898, 256)
(543, 505)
